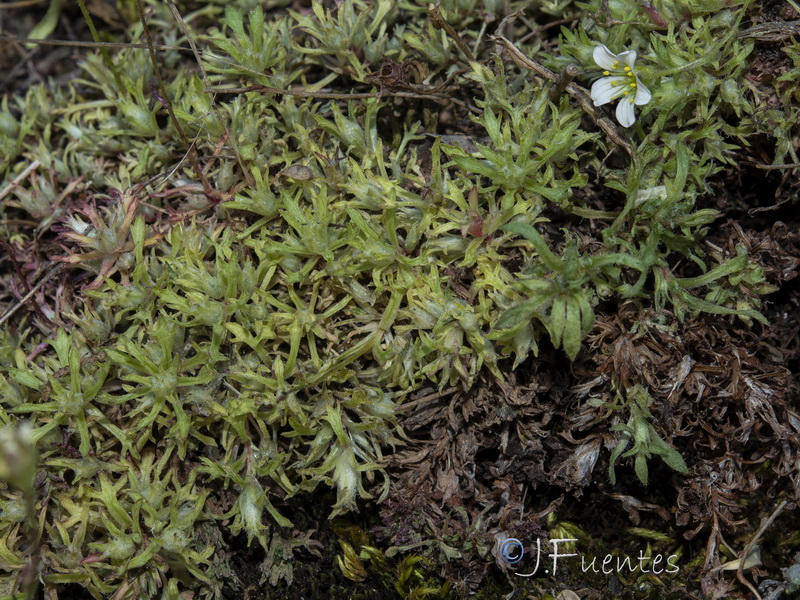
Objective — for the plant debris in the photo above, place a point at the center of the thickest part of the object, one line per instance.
(360, 299)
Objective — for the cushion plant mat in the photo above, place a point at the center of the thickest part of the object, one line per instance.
(377, 299)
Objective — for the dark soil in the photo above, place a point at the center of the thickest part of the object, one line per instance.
(528, 458)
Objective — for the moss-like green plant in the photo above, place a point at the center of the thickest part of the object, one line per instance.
(639, 430)
(240, 349)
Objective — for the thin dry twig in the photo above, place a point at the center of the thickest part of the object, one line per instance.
(54, 270)
(772, 32)
(438, 22)
(69, 43)
(333, 95)
(747, 549)
(15, 182)
(430, 398)
(20, 4)
(773, 167)
(545, 27)
(230, 137)
(25, 59)
(568, 73)
(578, 92)
(162, 90)
(103, 50)
(783, 201)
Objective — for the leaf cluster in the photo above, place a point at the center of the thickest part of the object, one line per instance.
(236, 354)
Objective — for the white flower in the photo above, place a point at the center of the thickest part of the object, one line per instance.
(620, 81)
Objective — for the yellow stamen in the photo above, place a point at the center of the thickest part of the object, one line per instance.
(632, 99)
(633, 85)
(614, 66)
(625, 93)
(627, 68)
(613, 83)
(606, 73)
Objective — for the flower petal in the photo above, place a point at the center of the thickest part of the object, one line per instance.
(606, 89)
(604, 58)
(643, 95)
(627, 58)
(625, 114)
